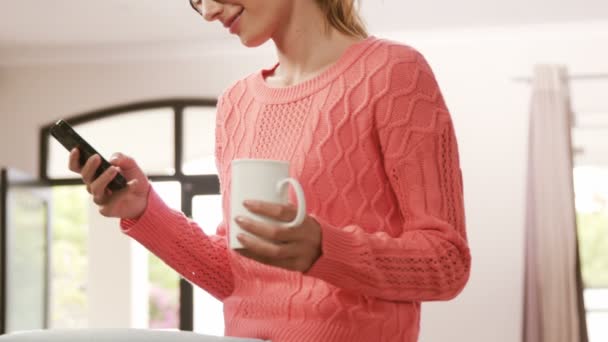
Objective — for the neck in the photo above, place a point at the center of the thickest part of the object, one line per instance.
(306, 46)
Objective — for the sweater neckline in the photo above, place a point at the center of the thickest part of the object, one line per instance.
(267, 94)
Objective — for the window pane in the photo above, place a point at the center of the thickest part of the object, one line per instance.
(69, 250)
(591, 198)
(147, 136)
(596, 299)
(164, 281)
(26, 258)
(597, 323)
(208, 311)
(199, 141)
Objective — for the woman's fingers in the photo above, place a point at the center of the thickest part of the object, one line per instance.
(89, 169)
(99, 186)
(74, 164)
(127, 203)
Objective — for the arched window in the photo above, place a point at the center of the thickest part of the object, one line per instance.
(173, 141)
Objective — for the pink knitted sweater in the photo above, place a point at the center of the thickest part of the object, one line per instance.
(372, 143)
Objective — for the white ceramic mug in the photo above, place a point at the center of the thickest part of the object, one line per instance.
(262, 180)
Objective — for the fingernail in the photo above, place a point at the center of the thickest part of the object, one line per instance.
(240, 219)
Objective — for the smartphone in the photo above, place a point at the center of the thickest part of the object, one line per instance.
(68, 137)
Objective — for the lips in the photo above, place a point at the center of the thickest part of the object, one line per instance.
(232, 19)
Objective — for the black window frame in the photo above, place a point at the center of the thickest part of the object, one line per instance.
(191, 185)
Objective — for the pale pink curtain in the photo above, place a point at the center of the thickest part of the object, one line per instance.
(552, 309)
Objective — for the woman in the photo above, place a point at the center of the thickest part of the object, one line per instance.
(366, 131)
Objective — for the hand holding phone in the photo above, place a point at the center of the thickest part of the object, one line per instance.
(68, 137)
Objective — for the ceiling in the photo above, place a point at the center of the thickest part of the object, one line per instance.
(75, 23)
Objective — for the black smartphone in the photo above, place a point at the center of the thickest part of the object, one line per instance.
(68, 137)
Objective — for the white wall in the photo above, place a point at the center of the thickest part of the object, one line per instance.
(474, 69)
(32, 96)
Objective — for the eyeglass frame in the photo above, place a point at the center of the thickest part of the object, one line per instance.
(192, 4)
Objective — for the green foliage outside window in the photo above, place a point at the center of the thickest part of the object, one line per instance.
(593, 248)
(69, 257)
(164, 295)
(69, 307)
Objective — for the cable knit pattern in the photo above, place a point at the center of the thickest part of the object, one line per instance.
(372, 143)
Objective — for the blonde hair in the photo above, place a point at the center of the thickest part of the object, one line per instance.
(343, 15)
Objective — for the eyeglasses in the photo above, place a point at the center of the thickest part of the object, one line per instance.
(196, 5)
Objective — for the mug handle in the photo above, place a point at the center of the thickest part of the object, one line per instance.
(301, 215)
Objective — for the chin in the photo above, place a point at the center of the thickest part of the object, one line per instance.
(253, 41)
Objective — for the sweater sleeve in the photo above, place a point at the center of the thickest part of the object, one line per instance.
(430, 258)
(182, 244)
